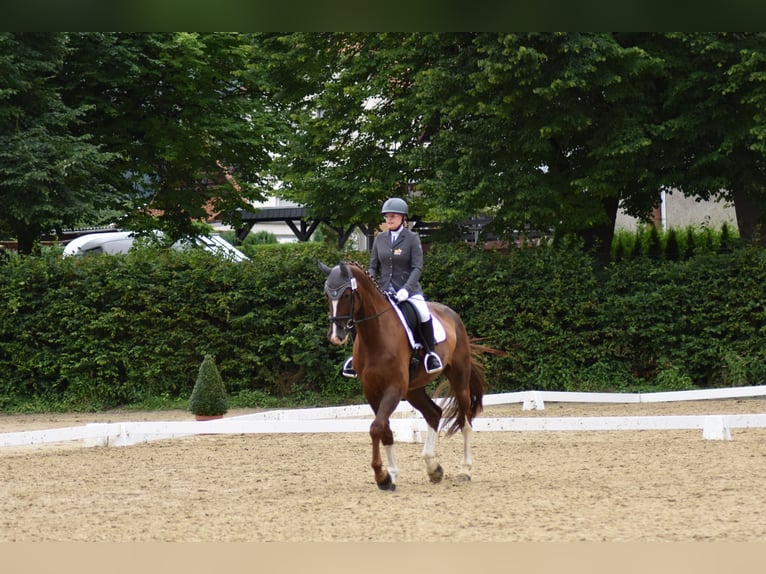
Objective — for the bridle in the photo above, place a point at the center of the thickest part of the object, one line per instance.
(335, 293)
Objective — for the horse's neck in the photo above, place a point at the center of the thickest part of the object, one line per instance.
(371, 299)
(372, 303)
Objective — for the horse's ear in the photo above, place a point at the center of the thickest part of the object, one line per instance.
(324, 268)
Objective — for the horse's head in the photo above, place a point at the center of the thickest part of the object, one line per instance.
(340, 288)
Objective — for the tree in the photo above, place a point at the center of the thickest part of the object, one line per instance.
(556, 133)
(50, 175)
(186, 117)
(715, 125)
(339, 158)
(549, 131)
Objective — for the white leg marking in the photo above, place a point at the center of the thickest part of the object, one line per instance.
(429, 450)
(393, 468)
(467, 462)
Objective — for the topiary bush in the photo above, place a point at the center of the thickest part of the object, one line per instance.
(208, 397)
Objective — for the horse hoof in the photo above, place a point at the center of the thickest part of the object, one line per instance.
(437, 475)
(463, 477)
(387, 484)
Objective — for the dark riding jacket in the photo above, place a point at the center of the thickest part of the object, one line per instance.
(399, 265)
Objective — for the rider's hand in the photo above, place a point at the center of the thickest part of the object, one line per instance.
(402, 295)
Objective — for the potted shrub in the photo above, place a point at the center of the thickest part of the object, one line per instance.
(208, 398)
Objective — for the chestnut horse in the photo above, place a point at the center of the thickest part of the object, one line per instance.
(382, 358)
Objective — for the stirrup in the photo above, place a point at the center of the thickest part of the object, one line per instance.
(432, 356)
(348, 369)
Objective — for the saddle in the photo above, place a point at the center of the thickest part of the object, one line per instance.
(411, 319)
(412, 325)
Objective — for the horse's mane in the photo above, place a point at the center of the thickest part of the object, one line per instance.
(366, 273)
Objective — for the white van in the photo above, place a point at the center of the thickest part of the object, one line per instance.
(121, 241)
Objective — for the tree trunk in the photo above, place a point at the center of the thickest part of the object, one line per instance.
(26, 243)
(598, 238)
(751, 217)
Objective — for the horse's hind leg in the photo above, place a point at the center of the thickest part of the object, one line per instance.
(463, 422)
(465, 471)
(460, 381)
(433, 467)
(432, 413)
(393, 467)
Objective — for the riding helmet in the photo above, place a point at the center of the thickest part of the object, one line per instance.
(395, 205)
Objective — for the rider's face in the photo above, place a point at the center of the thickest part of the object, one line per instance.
(393, 220)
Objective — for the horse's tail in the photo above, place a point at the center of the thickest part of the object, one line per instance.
(477, 387)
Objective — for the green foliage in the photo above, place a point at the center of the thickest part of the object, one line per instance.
(208, 397)
(165, 127)
(739, 370)
(605, 375)
(599, 120)
(671, 377)
(255, 399)
(525, 302)
(251, 242)
(654, 247)
(256, 242)
(672, 245)
(193, 97)
(50, 175)
(109, 331)
(672, 250)
(101, 332)
(638, 324)
(260, 238)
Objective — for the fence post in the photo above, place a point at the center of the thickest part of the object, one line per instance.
(713, 428)
(534, 402)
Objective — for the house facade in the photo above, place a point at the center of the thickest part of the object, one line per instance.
(678, 212)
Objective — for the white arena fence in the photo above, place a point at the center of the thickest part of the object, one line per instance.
(409, 426)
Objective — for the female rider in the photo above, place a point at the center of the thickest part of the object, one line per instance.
(396, 262)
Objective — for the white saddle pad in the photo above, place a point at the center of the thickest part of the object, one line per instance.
(439, 333)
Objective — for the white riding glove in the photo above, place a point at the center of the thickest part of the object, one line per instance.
(402, 295)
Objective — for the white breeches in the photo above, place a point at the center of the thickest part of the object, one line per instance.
(422, 307)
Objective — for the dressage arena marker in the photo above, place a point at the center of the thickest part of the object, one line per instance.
(409, 426)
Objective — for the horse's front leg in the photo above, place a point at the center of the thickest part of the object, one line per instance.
(380, 432)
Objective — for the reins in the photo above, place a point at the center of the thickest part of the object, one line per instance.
(375, 316)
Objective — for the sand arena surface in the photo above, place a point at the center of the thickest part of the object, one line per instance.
(642, 486)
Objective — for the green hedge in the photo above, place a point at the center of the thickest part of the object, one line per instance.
(104, 331)
(640, 324)
(537, 305)
(107, 331)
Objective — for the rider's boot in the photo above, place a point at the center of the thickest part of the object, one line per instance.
(348, 369)
(431, 362)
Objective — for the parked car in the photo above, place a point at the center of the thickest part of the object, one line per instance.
(122, 241)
